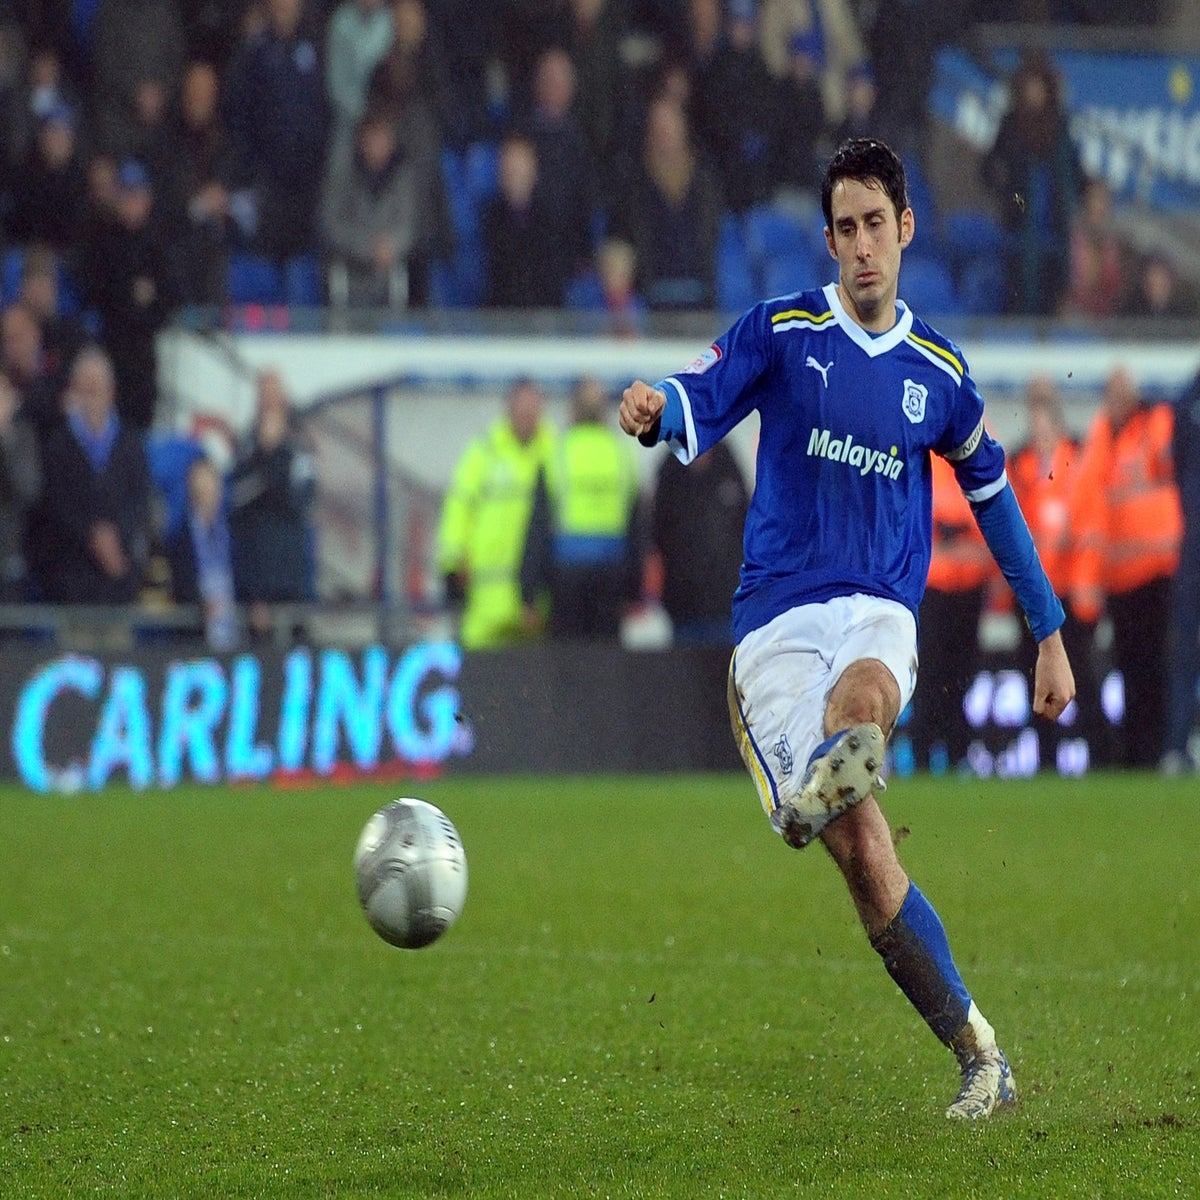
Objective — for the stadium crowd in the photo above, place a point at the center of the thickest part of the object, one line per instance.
(582, 154)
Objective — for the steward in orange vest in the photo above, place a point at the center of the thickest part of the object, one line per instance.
(1126, 516)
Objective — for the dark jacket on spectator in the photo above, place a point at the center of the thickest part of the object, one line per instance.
(75, 496)
(271, 495)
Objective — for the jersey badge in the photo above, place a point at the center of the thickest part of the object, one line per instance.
(702, 362)
(915, 395)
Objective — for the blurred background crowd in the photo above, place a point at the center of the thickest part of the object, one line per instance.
(615, 158)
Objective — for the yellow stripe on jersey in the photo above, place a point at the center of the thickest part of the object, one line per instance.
(800, 318)
(764, 784)
(940, 351)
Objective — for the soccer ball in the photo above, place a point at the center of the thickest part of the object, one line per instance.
(411, 871)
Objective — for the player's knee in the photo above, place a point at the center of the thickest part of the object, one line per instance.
(865, 691)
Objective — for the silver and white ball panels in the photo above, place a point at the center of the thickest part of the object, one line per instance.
(411, 871)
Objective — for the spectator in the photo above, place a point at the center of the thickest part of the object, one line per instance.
(413, 68)
(1159, 293)
(359, 34)
(1042, 473)
(800, 96)
(580, 544)
(699, 512)
(13, 131)
(137, 59)
(62, 335)
(592, 39)
(128, 282)
(902, 40)
(960, 570)
(200, 555)
(830, 34)
(1184, 658)
(1125, 507)
(20, 487)
(485, 522)
(383, 210)
(512, 226)
(671, 213)
(1097, 287)
(1034, 174)
(610, 291)
(42, 89)
(194, 202)
(744, 139)
(49, 193)
(89, 540)
(566, 174)
(468, 43)
(277, 117)
(862, 117)
(271, 490)
(23, 359)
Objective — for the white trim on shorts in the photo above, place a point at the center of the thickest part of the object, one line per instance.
(780, 677)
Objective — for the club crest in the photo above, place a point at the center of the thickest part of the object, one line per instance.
(783, 751)
(915, 395)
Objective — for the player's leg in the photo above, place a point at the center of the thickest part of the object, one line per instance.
(902, 925)
(906, 932)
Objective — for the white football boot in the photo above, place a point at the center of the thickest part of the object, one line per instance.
(845, 775)
(987, 1087)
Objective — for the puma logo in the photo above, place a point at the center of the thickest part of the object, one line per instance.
(822, 370)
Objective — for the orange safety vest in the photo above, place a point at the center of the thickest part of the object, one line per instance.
(1043, 490)
(1125, 508)
(960, 560)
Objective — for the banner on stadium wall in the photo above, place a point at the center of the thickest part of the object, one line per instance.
(150, 719)
(1135, 117)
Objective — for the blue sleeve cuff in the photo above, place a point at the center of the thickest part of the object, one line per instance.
(671, 425)
(1008, 538)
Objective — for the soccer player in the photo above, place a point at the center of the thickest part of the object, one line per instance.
(854, 393)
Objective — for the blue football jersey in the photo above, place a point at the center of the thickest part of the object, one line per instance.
(843, 491)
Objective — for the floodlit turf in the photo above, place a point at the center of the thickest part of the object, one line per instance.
(648, 995)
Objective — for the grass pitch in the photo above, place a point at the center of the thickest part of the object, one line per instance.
(647, 995)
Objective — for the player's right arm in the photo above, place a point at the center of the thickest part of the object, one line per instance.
(695, 407)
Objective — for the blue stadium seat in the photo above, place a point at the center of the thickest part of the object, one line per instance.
(737, 282)
(480, 169)
(981, 286)
(253, 279)
(10, 274)
(585, 293)
(927, 286)
(787, 273)
(923, 203)
(302, 284)
(970, 233)
(169, 456)
(770, 231)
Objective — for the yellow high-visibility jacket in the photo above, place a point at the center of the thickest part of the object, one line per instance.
(485, 519)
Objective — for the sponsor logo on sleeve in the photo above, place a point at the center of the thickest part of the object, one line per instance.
(702, 362)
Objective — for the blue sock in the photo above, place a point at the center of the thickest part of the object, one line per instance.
(917, 956)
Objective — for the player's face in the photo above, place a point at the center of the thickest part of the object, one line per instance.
(866, 239)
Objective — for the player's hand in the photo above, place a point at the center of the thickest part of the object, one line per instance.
(1053, 680)
(641, 406)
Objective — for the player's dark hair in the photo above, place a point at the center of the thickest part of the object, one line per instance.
(865, 160)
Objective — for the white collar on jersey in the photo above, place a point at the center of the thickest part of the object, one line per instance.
(872, 344)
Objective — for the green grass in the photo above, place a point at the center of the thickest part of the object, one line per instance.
(647, 995)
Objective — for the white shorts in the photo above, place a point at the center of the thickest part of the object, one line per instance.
(781, 675)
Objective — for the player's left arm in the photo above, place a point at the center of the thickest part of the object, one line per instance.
(979, 466)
